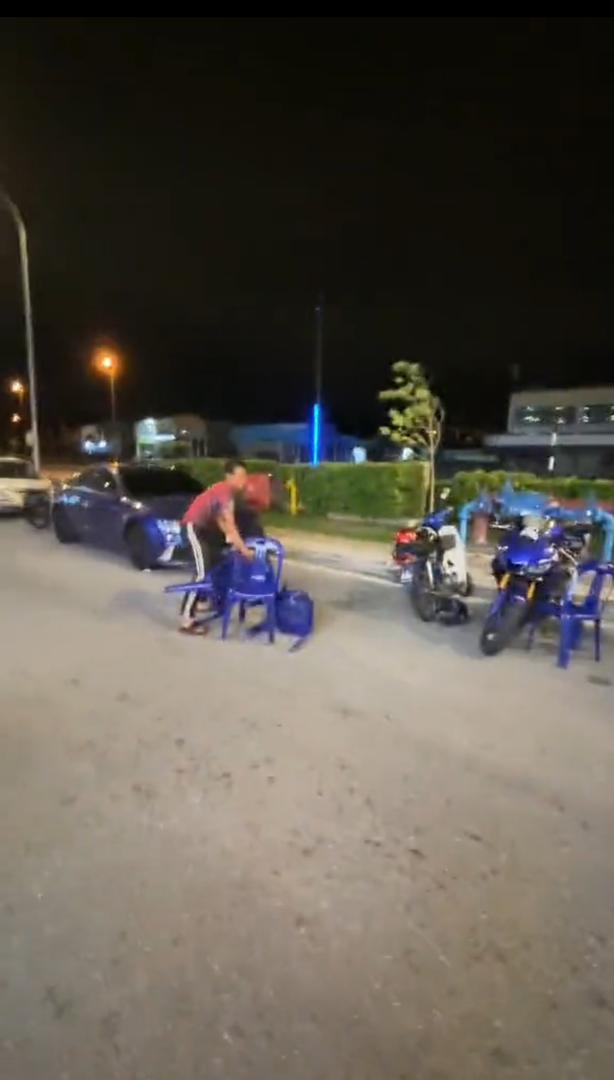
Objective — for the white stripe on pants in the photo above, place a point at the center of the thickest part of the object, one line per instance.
(190, 599)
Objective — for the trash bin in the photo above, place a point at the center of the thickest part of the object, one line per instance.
(479, 529)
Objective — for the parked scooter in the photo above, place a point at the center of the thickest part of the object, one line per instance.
(432, 563)
(533, 567)
(407, 546)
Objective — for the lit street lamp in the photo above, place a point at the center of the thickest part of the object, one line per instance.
(15, 418)
(22, 238)
(106, 364)
(17, 387)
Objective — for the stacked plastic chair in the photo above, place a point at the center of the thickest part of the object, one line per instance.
(255, 582)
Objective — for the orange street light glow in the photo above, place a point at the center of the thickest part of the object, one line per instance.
(107, 363)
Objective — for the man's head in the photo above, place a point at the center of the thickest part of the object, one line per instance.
(236, 474)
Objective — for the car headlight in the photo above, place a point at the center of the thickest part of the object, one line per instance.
(171, 530)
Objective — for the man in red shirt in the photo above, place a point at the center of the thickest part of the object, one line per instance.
(210, 525)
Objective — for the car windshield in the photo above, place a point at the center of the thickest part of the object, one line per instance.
(143, 483)
(17, 470)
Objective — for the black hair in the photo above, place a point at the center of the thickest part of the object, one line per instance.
(233, 464)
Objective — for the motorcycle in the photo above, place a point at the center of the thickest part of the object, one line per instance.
(432, 563)
(407, 543)
(533, 567)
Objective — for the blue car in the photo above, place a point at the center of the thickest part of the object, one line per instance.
(135, 509)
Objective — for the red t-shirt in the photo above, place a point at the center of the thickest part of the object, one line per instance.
(209, 504)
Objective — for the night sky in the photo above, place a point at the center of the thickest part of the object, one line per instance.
(191, 184)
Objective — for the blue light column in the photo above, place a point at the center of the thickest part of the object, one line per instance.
(316, 425)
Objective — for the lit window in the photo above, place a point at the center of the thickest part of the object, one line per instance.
(548, 416)
(597, 414)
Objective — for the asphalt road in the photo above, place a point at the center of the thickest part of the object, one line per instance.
(382, 857)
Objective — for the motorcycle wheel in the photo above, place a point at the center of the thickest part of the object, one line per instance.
(469, 588)
(422, 598)
(501, 628)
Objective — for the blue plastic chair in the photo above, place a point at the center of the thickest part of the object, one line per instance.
(255, 582)
(575, 613)
(214, 587)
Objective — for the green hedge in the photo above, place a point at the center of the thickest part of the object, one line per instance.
(390, 489)
(467, 485)
(395, 489)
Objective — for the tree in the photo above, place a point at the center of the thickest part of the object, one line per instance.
(416, 415)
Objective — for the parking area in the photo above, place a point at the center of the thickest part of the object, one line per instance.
(383, 856)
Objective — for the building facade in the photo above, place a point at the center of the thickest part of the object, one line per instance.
(183, 435)
(290, 442)
(573, 427)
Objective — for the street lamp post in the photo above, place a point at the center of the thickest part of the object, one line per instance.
(19, 389)
(107, 365)
(22, 237)
(553, 441)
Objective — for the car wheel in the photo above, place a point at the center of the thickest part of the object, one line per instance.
(139, 548)
(64, 531)
(37, 510)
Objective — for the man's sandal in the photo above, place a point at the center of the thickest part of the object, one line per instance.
(196, 630)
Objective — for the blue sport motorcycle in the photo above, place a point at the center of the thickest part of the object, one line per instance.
(533, 567)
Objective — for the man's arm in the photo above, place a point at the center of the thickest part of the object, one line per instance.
(228, 525)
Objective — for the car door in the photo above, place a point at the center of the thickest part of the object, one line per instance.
(104, 511)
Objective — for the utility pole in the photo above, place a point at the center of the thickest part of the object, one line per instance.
(316, 433)
(112, 386)
(107, 364)
(22, 237)
(318, 355)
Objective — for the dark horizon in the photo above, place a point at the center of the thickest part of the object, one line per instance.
(190, 186)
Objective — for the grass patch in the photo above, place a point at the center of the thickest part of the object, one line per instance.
(350, 530)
